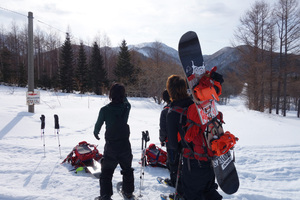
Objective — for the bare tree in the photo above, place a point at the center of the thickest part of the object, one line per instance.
(288, 22)
(271, 46)
(155, 71)
(252, 32)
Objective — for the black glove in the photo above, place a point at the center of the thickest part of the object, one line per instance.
(96, 136)
(217, 77)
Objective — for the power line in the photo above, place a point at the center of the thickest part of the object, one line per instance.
(50, 26)
(34, 19)
(13, 11)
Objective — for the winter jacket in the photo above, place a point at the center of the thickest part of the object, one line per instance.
(163, 124)
(115, 117)
(173, 122)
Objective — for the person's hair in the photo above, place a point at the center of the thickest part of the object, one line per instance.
(117, 93)
(176, 87)
(166, 96)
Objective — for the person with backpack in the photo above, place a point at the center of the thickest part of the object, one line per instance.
(197, 175)
(117, 149)
(163, 119)
(163, 137)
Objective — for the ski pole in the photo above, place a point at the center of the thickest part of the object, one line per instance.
(142, 166)
(145, 138)
(178, 174)
(56, 126)
(43, 131)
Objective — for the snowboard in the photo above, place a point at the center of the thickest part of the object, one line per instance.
(94, 168)
(163, 181)
(119, 189)
(191, 58)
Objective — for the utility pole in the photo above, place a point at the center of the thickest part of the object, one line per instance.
(30, 59)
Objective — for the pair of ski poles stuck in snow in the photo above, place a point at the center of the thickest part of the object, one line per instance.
(56, 127)
(145, 139)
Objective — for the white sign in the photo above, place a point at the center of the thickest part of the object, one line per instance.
(33, 98)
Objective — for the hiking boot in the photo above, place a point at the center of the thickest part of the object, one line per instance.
(178, 197)
(103, 198)
(128, 195)
(169, 182)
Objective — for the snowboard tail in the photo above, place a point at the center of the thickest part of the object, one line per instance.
(226, 173)
(94, 168)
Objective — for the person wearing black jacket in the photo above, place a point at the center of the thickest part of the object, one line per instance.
(197, 177)
(163, 137)
(117, 149)
(163, 119)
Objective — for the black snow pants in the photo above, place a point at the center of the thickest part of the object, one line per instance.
(198, 180)
(173, 163)
(116, 152)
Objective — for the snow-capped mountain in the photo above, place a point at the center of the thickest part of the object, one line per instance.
(225, 59)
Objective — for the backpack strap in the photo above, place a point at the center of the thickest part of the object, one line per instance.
(180, 110)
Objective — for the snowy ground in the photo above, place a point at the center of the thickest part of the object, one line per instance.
(267, 155)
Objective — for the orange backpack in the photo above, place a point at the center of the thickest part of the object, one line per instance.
(208, 138)
(206, 88)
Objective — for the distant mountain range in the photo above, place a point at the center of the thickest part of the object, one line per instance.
(225, 59)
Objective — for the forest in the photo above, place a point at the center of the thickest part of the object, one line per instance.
(268, 72)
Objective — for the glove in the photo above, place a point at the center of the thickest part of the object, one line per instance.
(96, 136)
(217, 77)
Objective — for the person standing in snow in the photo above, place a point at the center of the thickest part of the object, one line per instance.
(197, 176)
(117, 149)
(163, 118)
(172, 166)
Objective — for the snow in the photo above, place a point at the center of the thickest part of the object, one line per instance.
(267, 154)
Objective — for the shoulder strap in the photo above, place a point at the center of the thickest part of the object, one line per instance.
(180, 110)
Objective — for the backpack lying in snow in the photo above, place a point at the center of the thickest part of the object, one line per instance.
(83, 154)
(156, 157)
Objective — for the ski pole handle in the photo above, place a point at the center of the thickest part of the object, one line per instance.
(56, 122)
(42, 121)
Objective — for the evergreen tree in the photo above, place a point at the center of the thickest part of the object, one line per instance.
(66, 66)
(22, 75)
(124, 70)
(98, 73)
(5, 64)
(81, 77)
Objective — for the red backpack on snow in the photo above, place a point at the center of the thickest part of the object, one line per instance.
(156, 157)
(82, 154)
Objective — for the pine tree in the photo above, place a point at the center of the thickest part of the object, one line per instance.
(5, 65)
(66, 74)
(98, 73)
(124, 70)
(81, 76)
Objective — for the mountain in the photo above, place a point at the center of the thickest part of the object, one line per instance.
(147, 47)
(225, 59)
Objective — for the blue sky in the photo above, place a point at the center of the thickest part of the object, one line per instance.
(136, 21)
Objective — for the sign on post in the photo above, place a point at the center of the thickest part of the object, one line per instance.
(33, 98)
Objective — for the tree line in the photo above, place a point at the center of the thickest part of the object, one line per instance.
(270, 38)
(267, 38)
(70, 67)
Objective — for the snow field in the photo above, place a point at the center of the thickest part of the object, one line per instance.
(267, 154)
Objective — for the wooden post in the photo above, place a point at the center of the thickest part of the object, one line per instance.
(30, 59)
(298, 115)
